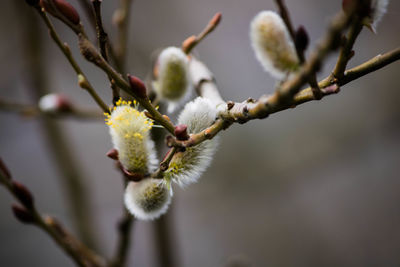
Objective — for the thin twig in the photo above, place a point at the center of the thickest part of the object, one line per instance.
(82, 255)
(312, 79)
(125, 226)
(346, 50)
(122, 15)
(192, 41)
(71, 178)
(87, 7)
(84, 82)
(33, 111)
(264, 106)
(91, 54)
(104, 44)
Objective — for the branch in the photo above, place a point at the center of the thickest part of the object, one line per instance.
(104, 44)
(121, 19)
(265, 105)
(34, 110)
(312, 79)
(82, 80)
(27, 213)
(192, 41)
(124, 236)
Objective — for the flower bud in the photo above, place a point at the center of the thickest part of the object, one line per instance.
(137, 86)
(181, 132)
(147, 199)
(187, 166)
(172, 83)
(23, 194)
(130, 134)
(301, 39)
(272, 44)
(54, 103)
(112, 154)
(22, 214)
(59, 8)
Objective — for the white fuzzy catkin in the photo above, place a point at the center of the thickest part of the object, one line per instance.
(49, 103)
(378, 9)
(272, 44)
(186, 167)
(147, 199)
(173, 84)
(130, 134)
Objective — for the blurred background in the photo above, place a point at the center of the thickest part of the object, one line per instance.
(318, 185)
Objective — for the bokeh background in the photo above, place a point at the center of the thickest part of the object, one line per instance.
(318, 185)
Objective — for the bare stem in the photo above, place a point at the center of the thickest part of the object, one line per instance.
(82, 255)
(104, 44)
(72, 180)
(84, 82)
(33, 110)
(312, 79)
(122, 21)
(125, 226)
(192, 41)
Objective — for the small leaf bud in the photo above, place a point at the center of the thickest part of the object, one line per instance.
(112, 154)
(181, 133)
(61, 7)
(22, 214)
(301, 39)
(137, 86)
(23, 194)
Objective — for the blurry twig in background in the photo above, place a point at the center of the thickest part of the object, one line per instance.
(34, 111)
(77, 196)
(27, 213)
(125, 226)
(121, 20)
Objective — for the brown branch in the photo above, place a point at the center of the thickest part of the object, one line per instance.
(192, 41)
(265, 105)
(104, 44)
(312, 79)
(91, 54)
(122, 15)
(34, 111)
(70, 176)
(82, 80)
(87, 7)
(27, 213)
(346, 52)
(125, 226)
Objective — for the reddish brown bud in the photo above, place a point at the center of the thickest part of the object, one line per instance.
(112, 154)
(137, 86)
(216, 19)
(22, 214)
(301, 39)
(4, 170)
(23, 194)
(180, 132)
(61, 8)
